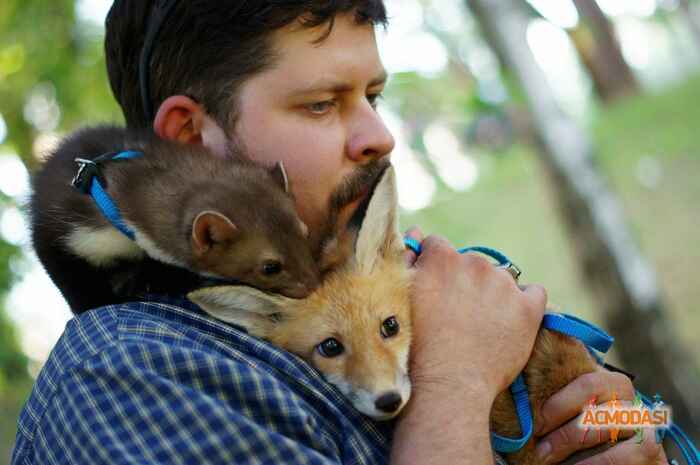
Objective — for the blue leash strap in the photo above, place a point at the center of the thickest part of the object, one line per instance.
(502, 260)
(522, 406)
(88, 180)
(682, 441)
(592, 336)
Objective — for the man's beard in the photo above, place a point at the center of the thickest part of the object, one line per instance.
(357, 185)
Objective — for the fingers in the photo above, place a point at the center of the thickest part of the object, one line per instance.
(632, 452)
(536, 295)
(437, 254)
(409, 255)
(570, 438)
(599, 386)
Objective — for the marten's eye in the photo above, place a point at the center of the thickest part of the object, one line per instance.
(272, 267)
(390, 327)
(330, 348)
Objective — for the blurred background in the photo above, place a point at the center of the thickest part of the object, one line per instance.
(561, 132)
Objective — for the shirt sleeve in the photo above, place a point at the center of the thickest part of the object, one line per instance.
(154, 404)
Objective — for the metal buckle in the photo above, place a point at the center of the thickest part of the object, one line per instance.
(513, 269)
(87, 170)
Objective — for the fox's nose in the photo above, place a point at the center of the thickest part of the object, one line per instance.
(388, 402)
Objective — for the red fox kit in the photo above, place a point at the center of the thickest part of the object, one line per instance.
(356, 327)
(220, 218)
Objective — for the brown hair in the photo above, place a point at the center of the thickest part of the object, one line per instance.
(206, 49)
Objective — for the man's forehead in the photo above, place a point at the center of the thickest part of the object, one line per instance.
(347, 53)
(335, 84)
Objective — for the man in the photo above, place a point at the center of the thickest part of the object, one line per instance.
(159, 382)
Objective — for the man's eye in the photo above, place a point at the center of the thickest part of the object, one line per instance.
(373, 99)
(321, 108)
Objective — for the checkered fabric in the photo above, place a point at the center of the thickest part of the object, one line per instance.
(155, 382)
(160, 382)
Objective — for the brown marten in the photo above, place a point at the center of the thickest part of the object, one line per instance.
(193, 216)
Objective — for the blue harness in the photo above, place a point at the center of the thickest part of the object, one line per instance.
(90, 180)
(596, 341)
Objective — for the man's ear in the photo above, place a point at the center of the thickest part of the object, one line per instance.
(242, 306)
(181, 119)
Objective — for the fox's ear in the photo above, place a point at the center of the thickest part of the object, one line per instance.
(242, 306)
(210, 228)
(279, 174)
(379, 237)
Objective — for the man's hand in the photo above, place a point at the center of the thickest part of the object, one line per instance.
(559, 435)
(473, 331)
(472, 322)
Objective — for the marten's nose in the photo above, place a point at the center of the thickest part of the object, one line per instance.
(388, 402)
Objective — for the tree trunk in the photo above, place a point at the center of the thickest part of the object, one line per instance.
(620, 279)
(692, 19)
(599, 51)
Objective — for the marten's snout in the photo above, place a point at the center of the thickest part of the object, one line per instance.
(388, 402)
(301, 289)
(296, 291)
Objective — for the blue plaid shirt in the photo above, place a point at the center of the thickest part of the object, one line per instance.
(161, 382)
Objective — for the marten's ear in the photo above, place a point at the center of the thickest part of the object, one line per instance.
(244, 306)
(379, 237)
(210, 228)
(279, 174)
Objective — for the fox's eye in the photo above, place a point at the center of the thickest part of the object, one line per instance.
(330, 348)
(272, 267)
(390, 327)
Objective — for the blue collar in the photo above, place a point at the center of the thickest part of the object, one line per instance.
(89, 180)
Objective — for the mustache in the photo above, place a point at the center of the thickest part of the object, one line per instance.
(358, 183)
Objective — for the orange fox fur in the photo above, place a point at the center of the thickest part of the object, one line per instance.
(351, 305)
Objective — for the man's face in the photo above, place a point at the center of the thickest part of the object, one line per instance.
(314, 110)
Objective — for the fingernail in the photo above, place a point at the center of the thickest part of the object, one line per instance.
(543, 449)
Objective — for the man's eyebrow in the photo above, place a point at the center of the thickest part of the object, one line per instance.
(337, 86)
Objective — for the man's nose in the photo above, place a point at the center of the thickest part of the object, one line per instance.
(369, 139)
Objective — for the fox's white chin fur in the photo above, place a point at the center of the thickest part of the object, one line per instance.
(364, 400)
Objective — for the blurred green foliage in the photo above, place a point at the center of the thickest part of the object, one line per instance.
(44, 47)
(45, 51)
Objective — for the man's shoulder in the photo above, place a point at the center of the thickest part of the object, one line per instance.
(163, 361)
(113, 328)
(160, 336)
